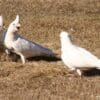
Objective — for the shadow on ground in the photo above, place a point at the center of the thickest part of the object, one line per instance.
(92, 72)
(16, 57)
(50, 59)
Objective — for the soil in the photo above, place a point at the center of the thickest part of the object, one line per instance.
(48, 78)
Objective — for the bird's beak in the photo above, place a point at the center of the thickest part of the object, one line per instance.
(18, 26)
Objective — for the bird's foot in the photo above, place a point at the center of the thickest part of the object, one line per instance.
(79, 72)
(7, 52)
(23, 59)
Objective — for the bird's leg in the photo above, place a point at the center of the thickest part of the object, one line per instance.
(72, 69)
(79, 72)
(7, 52)
(22, 58)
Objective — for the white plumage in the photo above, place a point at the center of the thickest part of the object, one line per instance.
(2, 34)
(1, 23)
(21, 46)
(76, 57)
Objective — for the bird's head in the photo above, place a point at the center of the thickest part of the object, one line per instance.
(64, 34)
(65, 38)
(15, 25)
(1, 23)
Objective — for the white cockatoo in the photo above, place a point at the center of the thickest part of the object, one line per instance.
(21, 46)
(75, 57)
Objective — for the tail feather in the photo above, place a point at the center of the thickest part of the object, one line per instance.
(98, 64)
(47, 52)
(42, 50)
(50, 53)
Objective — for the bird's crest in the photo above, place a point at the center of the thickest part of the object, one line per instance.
(16, 20)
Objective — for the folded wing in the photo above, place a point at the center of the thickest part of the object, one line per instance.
(30, 49)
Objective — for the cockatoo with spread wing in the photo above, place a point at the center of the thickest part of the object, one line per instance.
(75, 57)
(21, 46)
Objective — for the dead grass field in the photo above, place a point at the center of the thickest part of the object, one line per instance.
(42, 21)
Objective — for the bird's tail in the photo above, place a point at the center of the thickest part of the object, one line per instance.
(49, 52)
(98, 64)
(43, 51)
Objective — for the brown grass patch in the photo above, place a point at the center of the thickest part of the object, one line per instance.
(42, 21)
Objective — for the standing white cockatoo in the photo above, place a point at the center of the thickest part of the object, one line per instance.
(75, 57)
(21, 46)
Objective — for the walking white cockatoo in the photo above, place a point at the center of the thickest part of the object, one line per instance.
(21, 46)
(75, 57)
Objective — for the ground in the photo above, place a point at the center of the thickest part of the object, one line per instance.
(42, 21)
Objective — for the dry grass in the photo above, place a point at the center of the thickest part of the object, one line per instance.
(42, 21)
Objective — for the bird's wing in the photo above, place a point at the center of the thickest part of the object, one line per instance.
(81, 58)
(87, 54)
(29, 48)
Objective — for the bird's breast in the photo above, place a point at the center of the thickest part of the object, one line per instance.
(8, 43)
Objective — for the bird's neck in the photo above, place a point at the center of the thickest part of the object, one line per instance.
(66, 43)
(9, 35)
